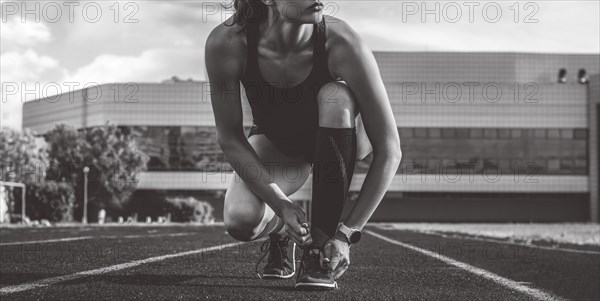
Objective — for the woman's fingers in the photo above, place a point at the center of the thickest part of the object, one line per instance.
(294, 226)
(302, 240)
(341, 268)
(328, 254)
(298, 228)
(300, 225)
(304, 229)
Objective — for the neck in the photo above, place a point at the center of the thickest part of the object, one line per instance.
(285, 37)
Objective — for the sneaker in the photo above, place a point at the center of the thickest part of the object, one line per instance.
(279, 265)
(312, 274)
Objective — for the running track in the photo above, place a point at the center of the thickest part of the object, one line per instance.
(202, 262)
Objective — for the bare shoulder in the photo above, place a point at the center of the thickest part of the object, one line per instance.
(226, 48)
(339, 31)
(343, 43)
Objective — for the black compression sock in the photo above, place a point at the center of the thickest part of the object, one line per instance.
(333, 167)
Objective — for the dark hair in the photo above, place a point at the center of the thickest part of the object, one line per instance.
(248, 11)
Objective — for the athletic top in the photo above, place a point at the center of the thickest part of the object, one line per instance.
(287, 116)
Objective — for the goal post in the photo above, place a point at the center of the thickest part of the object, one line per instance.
(16, 184)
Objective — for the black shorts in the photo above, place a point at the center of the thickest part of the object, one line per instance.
(291, 144)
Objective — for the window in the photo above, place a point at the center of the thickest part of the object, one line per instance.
(476, 133)
(490, 133)
(406, 133)
(435, 133)
(434, 165)
(566, 133)
(540, 133)
(462, 133)
(580, 134)
(463, 163)
(448, 163)
(503, 133)
(566, 164)
(580, 163)
(505, 167)
(498, 145)
(420, 133)
(448, 133)
(553, 165)
(420, 165)
(451, 167)
(553, 133)
(491, 167)
(536, 166)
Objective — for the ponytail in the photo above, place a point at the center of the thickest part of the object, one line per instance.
(248, 11)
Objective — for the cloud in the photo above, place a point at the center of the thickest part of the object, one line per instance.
(152, 65)
(384, 28)
(29, 66)
(26, 70)
(170, 36)
(15, 35)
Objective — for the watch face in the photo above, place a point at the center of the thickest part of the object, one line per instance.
(355, 237)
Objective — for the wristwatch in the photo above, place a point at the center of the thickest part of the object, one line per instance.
(352, 235)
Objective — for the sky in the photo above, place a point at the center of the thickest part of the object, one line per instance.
(76, 43)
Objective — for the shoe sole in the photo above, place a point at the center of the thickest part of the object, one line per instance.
(316, 286)
(273, 276)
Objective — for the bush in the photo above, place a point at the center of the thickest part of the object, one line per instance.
(189, 209)
(152, 203)
(49, 200)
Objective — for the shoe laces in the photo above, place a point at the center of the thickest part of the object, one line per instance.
(272, 246)
(311, 258)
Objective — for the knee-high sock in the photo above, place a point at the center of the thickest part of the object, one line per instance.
(333, 167)
(273, 224)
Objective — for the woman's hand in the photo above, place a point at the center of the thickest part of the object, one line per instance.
(296, 224)
(337, 254)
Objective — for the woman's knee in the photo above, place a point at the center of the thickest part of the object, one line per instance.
(337, 105)
(242, 217)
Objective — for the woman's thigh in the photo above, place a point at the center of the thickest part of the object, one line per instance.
(289, 173)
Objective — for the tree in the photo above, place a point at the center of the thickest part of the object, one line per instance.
(23, 156)
(25, 160)
(112, 155)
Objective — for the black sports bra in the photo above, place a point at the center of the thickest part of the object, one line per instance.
(292, 109)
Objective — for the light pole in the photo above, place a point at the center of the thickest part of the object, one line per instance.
(85, 194)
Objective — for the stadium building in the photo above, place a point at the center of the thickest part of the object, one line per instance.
(485, 136)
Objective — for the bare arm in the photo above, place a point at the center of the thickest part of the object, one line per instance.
(363, 77)
(224, 70)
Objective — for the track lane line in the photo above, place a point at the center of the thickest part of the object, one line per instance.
(92, 237)
(466, 237)
(45, 241)
(117, 267)
(590, 252)
(147, 235)
(510, 284)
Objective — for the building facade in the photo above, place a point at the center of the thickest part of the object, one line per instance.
(485, 136)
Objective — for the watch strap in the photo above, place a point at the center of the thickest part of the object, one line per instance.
(347, 231)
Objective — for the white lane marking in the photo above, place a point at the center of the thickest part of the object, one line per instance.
(147, 235)
(466, 237)
(45, 241)
(54, 280)
(513, 285)
(516, 244)
(92, 237)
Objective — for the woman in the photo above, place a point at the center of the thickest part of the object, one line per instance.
(311, 82)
